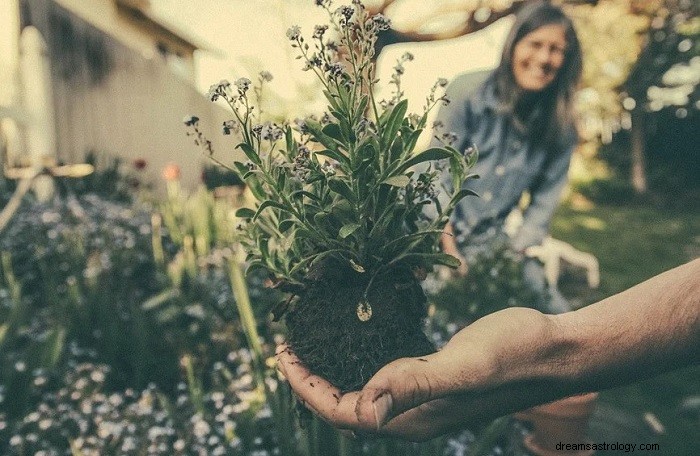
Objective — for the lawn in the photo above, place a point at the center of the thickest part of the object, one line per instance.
(632, 243)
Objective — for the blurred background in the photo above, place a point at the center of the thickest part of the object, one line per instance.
(126, 325)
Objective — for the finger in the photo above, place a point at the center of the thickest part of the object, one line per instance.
(280, 365)
(318, 394)
(399, 386)
(409, 382)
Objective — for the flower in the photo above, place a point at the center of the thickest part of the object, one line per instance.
(218, 90)
(319, 30)
(256, 130)
(271, 132)
(265, 76)
(382, 23)
(346, 12)
(139, 164)
(171, 172)
(190, 120)
(242, 84)
(294, 33)
(335, 69)
(228, 126)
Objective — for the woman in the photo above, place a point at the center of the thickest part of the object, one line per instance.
(519, 117)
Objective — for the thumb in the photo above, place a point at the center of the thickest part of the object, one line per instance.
(399, 386)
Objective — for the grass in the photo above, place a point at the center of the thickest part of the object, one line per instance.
(634, 242)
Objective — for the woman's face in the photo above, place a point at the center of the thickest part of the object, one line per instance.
(538, 56)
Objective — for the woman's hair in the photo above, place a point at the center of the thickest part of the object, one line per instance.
(552, 115)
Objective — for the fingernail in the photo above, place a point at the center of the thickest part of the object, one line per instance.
(382, 409)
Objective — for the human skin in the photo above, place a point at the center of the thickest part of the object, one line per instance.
(536, 61)
(538, 56)
(518, 358)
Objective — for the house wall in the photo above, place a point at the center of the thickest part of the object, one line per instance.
(140, 35)
(108, 98)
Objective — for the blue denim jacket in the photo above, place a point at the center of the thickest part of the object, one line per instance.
(508, 165)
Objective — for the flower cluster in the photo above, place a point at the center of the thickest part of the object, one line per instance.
(78, 414)
(344, 184)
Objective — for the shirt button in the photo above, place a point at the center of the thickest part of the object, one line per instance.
(488, 196)
(500, 170)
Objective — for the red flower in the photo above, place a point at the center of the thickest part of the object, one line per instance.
(171, 172)
(140, 164)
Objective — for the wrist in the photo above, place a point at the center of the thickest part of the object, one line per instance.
(543, 353)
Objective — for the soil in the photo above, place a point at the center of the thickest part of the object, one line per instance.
(327, 335)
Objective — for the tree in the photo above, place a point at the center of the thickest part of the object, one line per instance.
(666, 75)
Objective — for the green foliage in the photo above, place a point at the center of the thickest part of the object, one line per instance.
(216, 176)
(495, 282)
(112, 178)
(342, 186)
(81, 274)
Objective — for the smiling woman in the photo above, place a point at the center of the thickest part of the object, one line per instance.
(519, 118)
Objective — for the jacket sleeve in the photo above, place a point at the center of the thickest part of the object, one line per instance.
(455, 119)
(544, 199)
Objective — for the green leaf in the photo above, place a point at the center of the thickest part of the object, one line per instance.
(357, 267)
(396, 151)
(302, 193)
(256, 188)
(318, 135)
(286, 224)
(269, 203)
(434, 153)
(241, 168)
(160, 299)
(336, 155)
(397, 181)
(348, 229)
(253, 265)
(320, 217)
(393, 122)
(413, 139)
(291, 144)
(342, 188)
(408, 238)
(250, 153)
(332, 100)
(361, 108)
(430, 259)
(333, 131)
(245, 212)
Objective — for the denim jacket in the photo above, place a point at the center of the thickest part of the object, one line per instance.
(508, 165)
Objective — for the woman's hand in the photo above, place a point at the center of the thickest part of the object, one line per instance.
(449, 246)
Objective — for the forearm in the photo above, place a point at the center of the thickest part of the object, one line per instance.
(649, 329)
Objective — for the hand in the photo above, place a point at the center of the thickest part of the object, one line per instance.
(420, 398)
(449, 246)
(463, 268)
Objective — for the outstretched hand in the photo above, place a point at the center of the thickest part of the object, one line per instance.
(516, 358)
(420, 398)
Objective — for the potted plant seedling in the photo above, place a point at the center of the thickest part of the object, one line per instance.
(340, 223)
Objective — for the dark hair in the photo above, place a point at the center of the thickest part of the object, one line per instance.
(551, 117)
